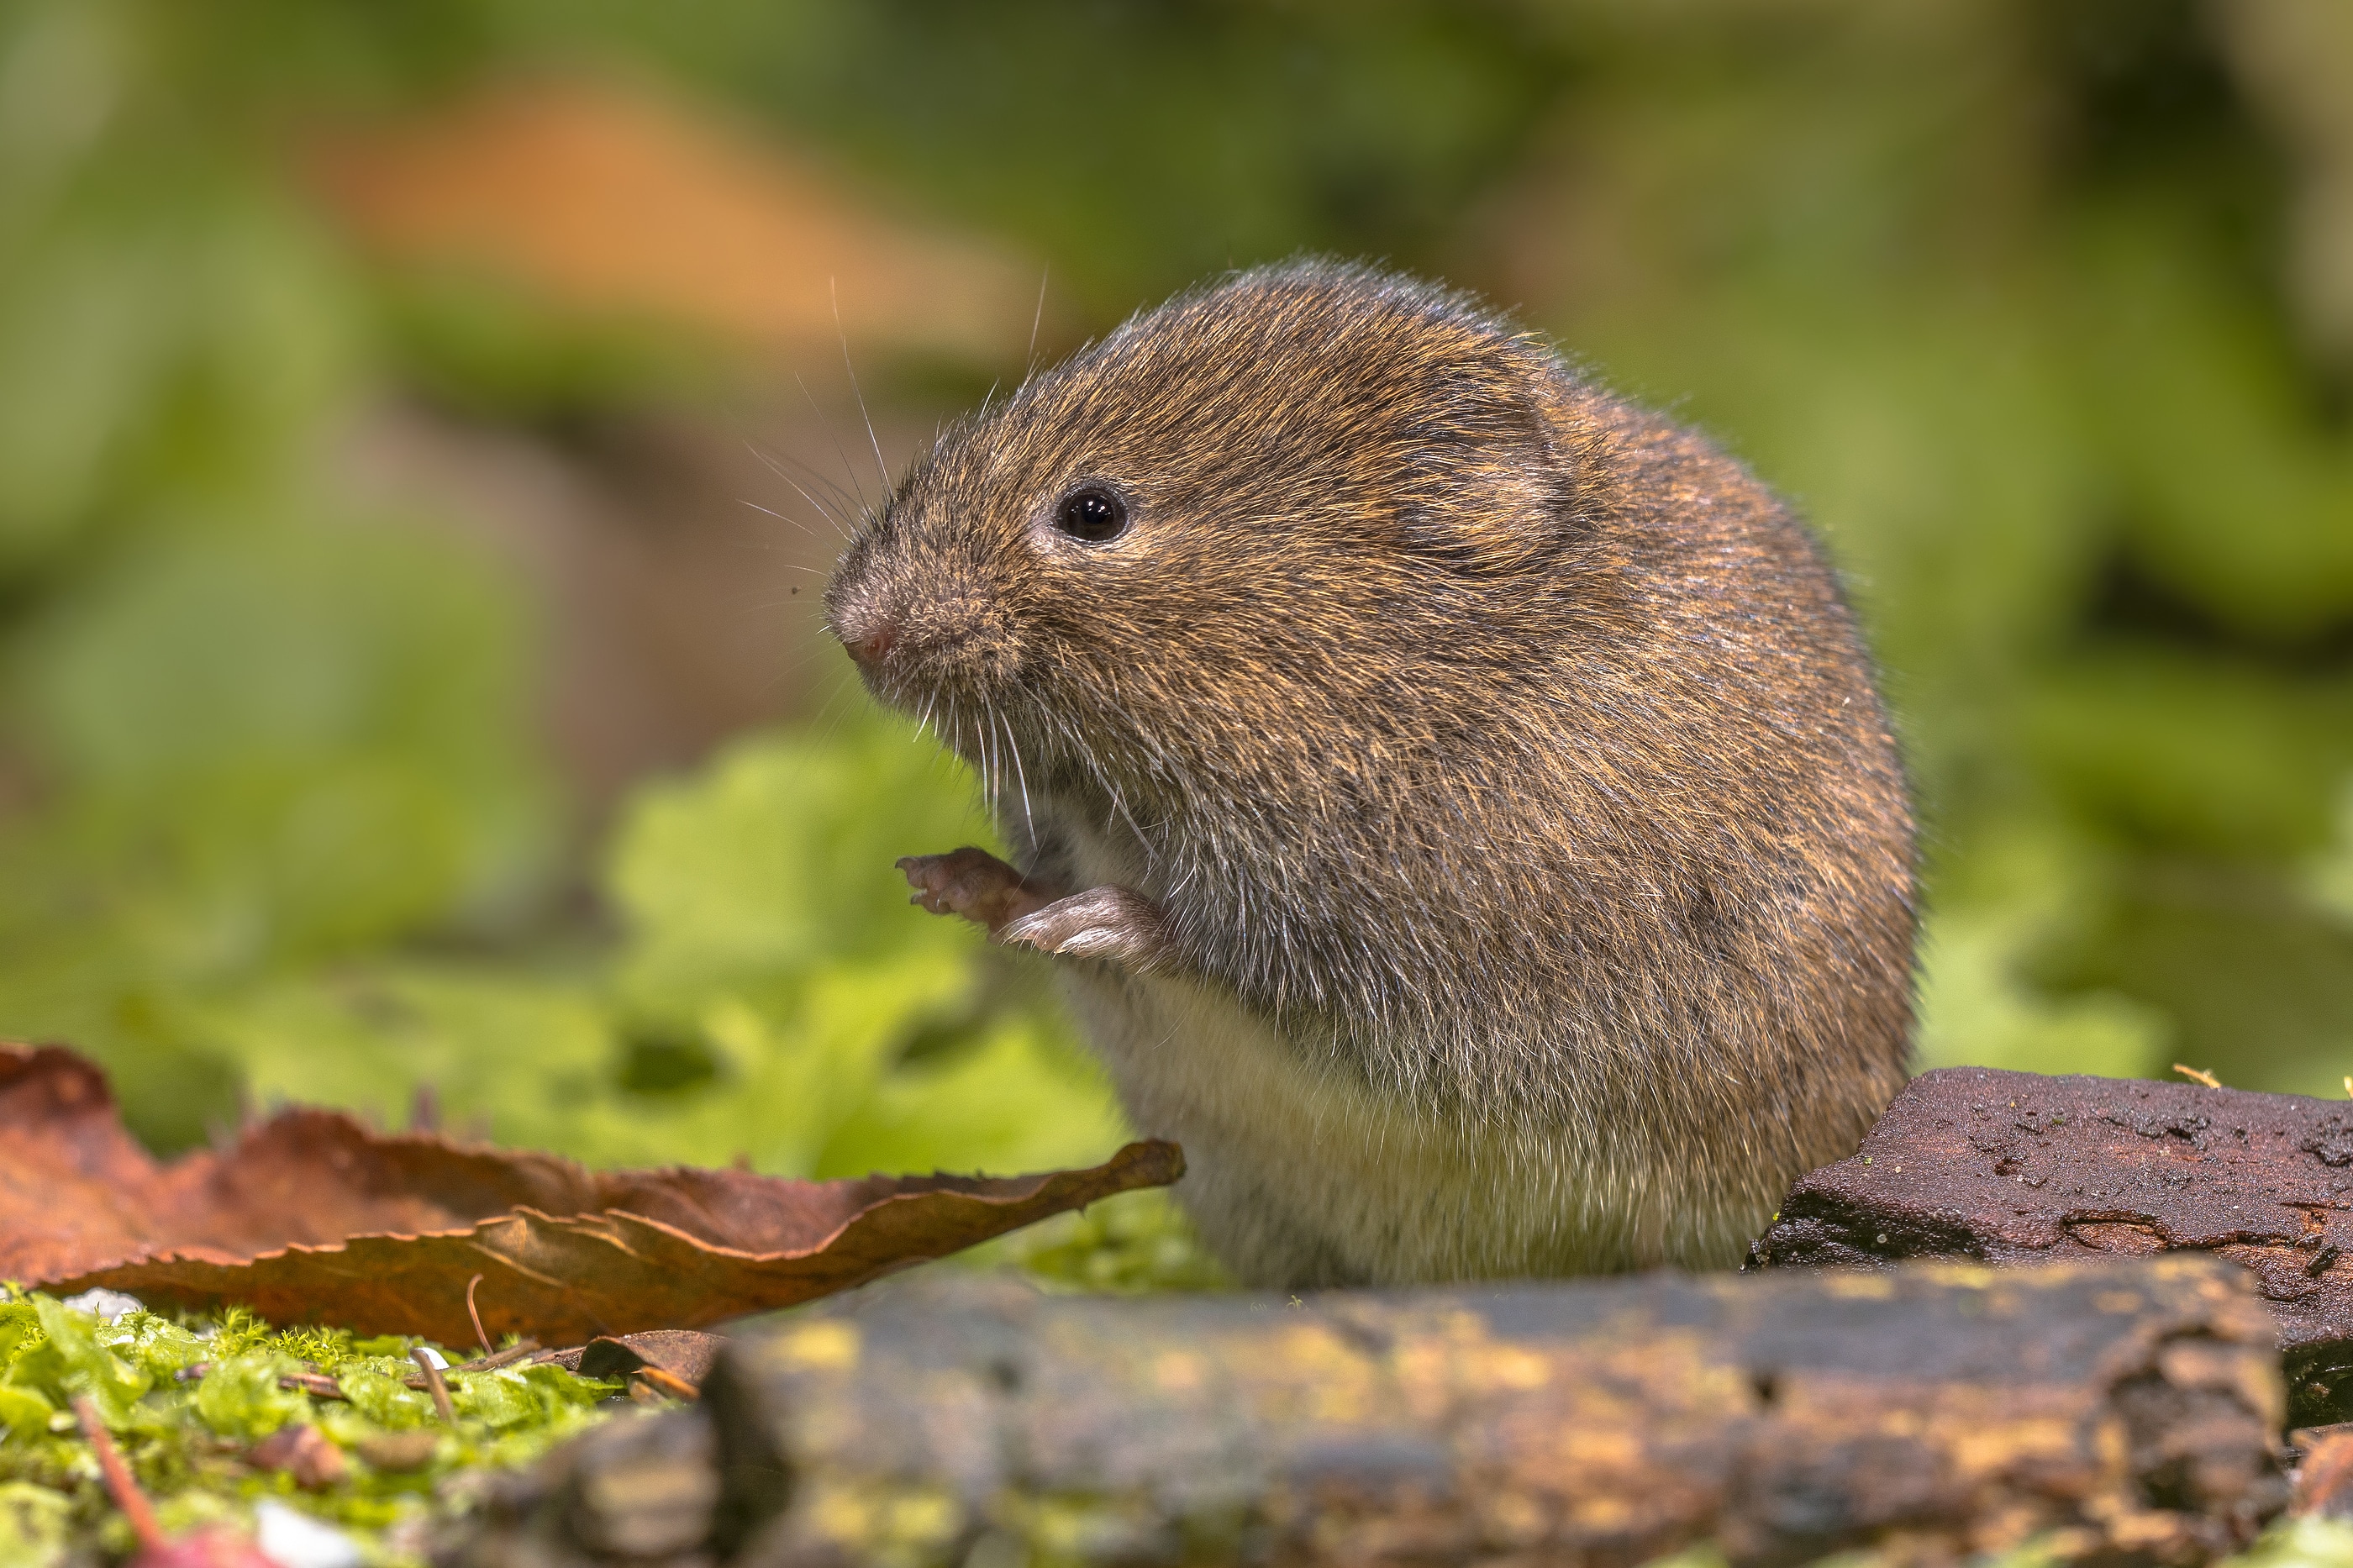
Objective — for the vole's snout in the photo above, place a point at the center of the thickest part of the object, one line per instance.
(865, 626)
(871, 647)
(909, 639)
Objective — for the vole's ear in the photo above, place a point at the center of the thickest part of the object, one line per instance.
(1485, 485)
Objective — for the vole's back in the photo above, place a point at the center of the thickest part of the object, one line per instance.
(1530, 860)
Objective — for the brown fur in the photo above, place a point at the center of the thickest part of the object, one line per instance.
(1504, 750)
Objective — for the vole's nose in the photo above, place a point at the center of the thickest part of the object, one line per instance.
(869, 646)
(864, 620)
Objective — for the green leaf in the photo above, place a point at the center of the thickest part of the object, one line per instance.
(2195, 755)
(1025, 1101)
(518, 1056)
(385, 1397)
(23, 1412)
(781, 857)
(2311, 1542)
(516, 1397)
(494, 1400)
(33, 1525)
(2238, 497)
(20, 1325)
(69, 1360)
(2329, 874)
(152, 1342)
(793, 1069)
(239, 1397)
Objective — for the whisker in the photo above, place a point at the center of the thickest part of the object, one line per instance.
(774, 680)
(840, 529)
(1028, 821)
(993, 766)
(774, 462)
(1036, 318)
(1086, 756)
(864, 506)
(775, 465)
(780, 517)
(834, 287)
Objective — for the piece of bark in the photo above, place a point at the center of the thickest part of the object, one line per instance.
(2013, 1167)
(639, 1489)
(2124, 1410)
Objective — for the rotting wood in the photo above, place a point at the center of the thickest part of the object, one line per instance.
(641, 1489)
(2122, 1409)
(2013, 1167)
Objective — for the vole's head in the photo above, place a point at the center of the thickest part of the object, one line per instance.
(1305, 504)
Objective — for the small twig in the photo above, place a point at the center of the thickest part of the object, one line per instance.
(668, 1382)
(506, 1357)
(318, 1385)
(120, 1483)
(481, 1338)
(2198, 1075)
(435, 1386)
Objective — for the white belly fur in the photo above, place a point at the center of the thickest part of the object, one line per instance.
(1297, 1176)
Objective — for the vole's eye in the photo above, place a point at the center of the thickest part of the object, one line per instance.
(1093, 513)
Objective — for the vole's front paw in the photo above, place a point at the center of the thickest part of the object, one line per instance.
(1102, 922)
(972, 883)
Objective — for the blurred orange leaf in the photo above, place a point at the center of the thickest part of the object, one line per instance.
(615, 200)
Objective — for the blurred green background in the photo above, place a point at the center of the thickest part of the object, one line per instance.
(423, 430)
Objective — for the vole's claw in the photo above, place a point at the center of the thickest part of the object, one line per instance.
(1116, 923)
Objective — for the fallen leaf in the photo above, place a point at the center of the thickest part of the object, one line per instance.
(2324, 1481)
(681, 1353)
(311, 1217)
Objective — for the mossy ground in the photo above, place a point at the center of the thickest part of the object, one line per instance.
(188, 1397)
(189, 1438)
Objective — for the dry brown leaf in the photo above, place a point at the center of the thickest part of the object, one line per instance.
(684, 1354)
(311, 1217)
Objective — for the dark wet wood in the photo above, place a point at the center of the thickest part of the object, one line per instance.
(2012, 1167)
(2122, 1409)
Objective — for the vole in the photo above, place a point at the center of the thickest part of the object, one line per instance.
(1458, 798)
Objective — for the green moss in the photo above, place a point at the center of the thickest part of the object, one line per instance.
(188, 1438)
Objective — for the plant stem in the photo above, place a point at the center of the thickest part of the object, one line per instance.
(119, 1483)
